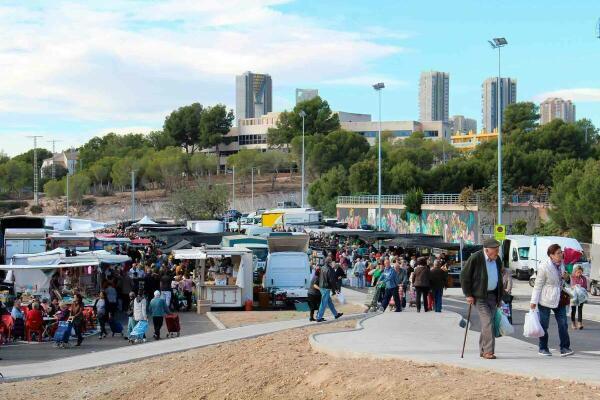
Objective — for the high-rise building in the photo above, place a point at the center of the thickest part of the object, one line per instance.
(489, 99)
(463, 125)
(306, 94)
(557, 108)
(253, 95)
(434, 96)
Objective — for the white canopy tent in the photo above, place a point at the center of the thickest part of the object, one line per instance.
(64, 223)
(32, 272)
(145, 221)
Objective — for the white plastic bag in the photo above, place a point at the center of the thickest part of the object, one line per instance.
(580, 296)
(341, 298)
(505, 327)
(532, 327)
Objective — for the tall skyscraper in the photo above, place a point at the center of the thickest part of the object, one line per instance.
(434, 96)
(463, 125)
(489, 99)
(306, 94)
(557, 108)
(253, 95)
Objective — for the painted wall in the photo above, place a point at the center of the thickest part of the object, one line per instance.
(452, 225)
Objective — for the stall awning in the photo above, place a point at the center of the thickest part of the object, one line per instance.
(143, 242)
(145, 221)
(201, 253)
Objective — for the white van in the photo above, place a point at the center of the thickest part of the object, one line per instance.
(288, 269)
(538, 252)
(515, 250)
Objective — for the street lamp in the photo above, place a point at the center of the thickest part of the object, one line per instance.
(378, 87)
(303, 115)
(498, 43)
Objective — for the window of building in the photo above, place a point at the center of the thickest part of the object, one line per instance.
(252, 139)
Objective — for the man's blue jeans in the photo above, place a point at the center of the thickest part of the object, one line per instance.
(437, 299)
(360, 280)
(560, 313)
(326, 302)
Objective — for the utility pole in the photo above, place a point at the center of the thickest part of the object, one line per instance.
(53, 141)
(132, 195)
(233, 189)
(35, 170)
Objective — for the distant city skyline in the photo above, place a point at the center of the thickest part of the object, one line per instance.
(74, 70)
(557, 108)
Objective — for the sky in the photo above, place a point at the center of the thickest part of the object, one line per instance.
(74, 70)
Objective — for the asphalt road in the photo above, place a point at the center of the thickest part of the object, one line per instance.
(23, 352)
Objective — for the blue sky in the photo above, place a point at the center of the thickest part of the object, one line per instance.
(73, 70)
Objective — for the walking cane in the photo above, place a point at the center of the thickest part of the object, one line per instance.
(462, 354)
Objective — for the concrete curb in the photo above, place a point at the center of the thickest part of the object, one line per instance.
(213, 318)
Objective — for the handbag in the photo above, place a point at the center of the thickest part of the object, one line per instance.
(565, 299)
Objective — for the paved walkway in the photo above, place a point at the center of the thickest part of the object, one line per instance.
(150, 349)
(437, 338)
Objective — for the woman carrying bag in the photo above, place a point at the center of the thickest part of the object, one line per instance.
(548, 295)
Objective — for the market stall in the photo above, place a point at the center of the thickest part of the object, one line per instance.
(41, 274)
(224, 274)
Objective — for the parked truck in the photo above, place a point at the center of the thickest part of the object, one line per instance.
(595, 261)
(287, 273)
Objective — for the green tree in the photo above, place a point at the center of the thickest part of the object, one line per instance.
(172, 164)
(79, 185)
(363, 177)
(121, 172)
(54, 189)
(201, 164)
(113, 145)
(199, 203)
(183, 125)
(160, 140)
(215, 123)
(521, 116)
(323, 193)
(337, 148)
(519, 227)
(100, 171)
(15, 175)
(404, 176)
(576, 201)
(319, 120)
(27, 157)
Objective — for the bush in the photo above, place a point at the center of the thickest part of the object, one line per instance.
(105, 192)
(519, 227)
(36, 209)
(88, 202)
(7, 206)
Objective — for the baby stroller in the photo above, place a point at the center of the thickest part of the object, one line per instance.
(375, 295)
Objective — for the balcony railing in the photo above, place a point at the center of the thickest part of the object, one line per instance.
(441, 199)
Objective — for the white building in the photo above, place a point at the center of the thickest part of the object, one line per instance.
(434, 96)
(399, 129)
(489, 99)
(556, 108)
(66, 159)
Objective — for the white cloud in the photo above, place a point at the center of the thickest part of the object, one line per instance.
(135, 61)
(583, 95)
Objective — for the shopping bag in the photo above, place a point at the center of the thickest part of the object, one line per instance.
(580, 295)
(341, 298)
(505, 326)
(497, 320)
(532, 327)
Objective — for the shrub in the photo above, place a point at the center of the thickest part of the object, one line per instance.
(36, 209)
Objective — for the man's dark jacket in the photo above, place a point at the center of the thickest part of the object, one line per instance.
(474, 277)
(327, 278)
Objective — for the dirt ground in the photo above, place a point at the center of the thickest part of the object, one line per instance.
(283, 366)
(232, 319)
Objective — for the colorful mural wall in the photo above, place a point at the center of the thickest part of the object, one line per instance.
(452, 225)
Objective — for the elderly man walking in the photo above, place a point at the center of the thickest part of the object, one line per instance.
(481, 281)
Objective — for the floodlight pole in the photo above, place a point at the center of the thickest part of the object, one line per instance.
(378, 87)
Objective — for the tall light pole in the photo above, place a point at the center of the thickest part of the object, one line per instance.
(35, 170)
(498, 43)
(303, 115)
(233, 189)
(252, 187)
(378, 87)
